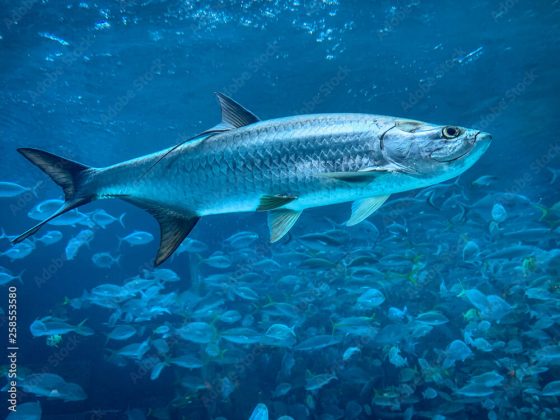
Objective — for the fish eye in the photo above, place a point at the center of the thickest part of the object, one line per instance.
(451, 132)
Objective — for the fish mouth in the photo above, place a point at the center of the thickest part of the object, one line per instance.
(482, 141)
(482, 136)
(452, 157)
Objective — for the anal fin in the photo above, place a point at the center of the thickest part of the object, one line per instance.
(174, 226)
(362, 209)
(173, 230)
(280, 222)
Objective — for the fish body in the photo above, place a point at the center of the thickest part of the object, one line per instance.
(28, 411)
(48, 326)
(19, 251)
(282, 166)
(187, 361)
(259, 413)
(231, 171)
(241, 239)
(137, 238)
(51, 386)
(162, 274)
(192, 246)
(104, 259)
(316, 382)
(282, 389)
(134, 350)
(217, 261)
(11, 189)
(485, 181)
(50, 237)
(121, 332)
(84, 237)
(6, 277)
(103, 219)
(44, 209)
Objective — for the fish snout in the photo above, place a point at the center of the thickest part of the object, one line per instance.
(482, 136)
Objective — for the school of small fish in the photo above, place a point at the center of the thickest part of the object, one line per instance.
(444, 304)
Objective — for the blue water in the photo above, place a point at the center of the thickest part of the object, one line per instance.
(101, 82)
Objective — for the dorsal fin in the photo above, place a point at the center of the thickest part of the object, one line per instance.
(234, 115)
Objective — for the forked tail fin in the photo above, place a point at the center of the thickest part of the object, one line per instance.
(67, 174)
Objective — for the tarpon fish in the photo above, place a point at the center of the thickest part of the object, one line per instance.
(280, 166)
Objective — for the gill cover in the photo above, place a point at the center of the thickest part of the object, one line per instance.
(418, 147)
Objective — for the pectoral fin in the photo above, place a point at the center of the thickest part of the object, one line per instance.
(363, 175)
(272, 202)
(362, 209)
(280, 222)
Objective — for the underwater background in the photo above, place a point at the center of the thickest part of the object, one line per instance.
(443, 304)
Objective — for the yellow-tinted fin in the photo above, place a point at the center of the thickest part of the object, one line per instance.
(272, 202)
(280, 222)
(362, 209)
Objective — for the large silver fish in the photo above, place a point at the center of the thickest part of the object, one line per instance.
(282, 166)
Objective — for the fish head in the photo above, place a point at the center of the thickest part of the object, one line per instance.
(426, 149)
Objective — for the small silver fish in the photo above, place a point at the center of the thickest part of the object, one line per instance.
(137, 238)
(104, 259)
(11, 189)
